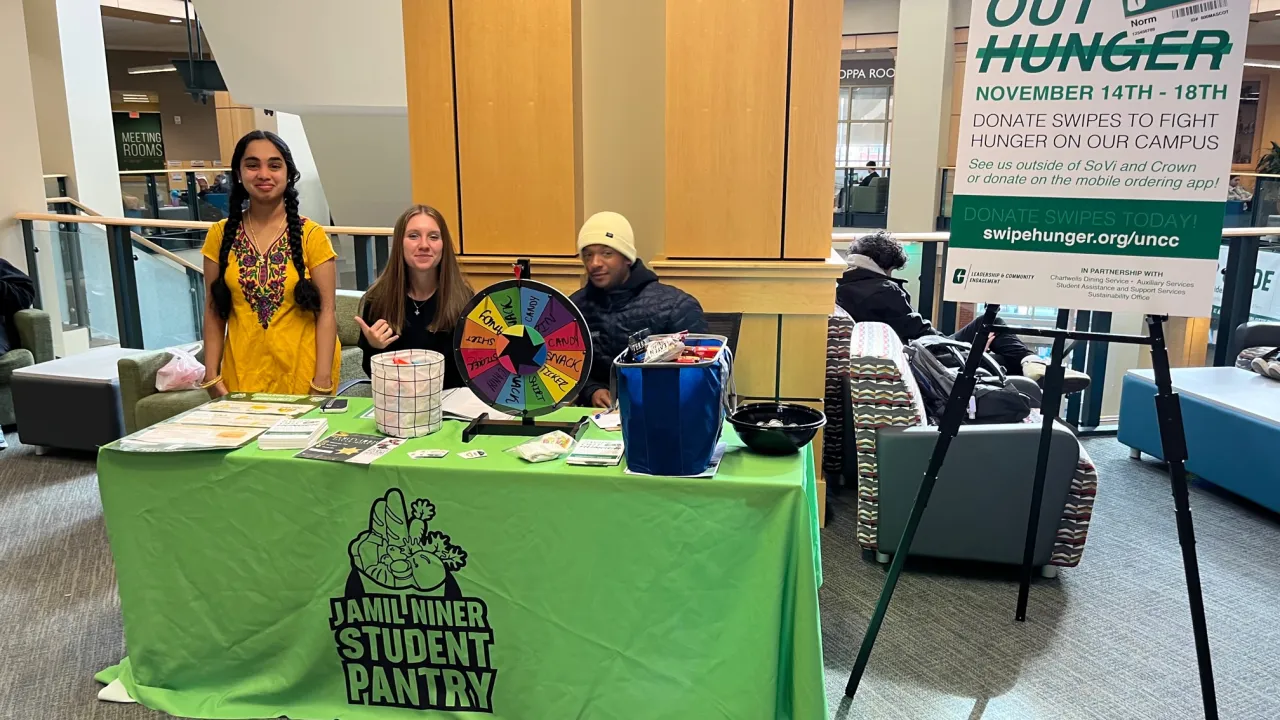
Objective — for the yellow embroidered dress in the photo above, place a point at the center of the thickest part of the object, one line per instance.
(271, 342)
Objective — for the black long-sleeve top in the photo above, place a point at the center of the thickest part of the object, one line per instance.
(414, 335)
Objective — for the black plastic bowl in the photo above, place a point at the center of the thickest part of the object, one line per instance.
(800, 424)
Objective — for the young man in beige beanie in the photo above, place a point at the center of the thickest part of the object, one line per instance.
(623, 296)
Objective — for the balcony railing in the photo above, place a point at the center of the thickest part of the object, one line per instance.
(139, 282)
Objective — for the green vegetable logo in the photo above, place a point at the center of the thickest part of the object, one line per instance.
(406, 635)
(400, 552)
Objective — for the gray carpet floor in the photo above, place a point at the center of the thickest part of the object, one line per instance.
(1110, 639)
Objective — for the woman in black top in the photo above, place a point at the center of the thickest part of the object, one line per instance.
(417, 300)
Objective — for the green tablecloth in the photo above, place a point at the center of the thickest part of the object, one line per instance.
(532, 591)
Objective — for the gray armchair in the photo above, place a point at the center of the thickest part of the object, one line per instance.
(34, 345)
(347, 307)
(979, 506)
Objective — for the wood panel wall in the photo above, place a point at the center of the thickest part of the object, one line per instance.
(812, 106)
(234, 121)
(726, 106)
(517, 125)
(428, 59)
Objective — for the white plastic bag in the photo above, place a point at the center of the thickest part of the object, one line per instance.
(182, 372)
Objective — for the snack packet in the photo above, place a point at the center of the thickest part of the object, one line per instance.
(544, 448)
(663, 349)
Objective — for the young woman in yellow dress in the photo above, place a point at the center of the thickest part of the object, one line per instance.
(270, 283)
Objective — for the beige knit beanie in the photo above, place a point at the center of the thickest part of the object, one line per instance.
(610, 229)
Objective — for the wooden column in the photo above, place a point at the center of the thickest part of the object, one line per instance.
(517, 125)
(234, 120)
(429, 72)
(812, 101)
(725, 127)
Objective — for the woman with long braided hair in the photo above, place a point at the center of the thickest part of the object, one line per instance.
(270, 280)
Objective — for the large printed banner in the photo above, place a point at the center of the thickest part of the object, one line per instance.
(1094, 147)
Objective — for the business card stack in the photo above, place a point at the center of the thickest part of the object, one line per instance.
(293, 434)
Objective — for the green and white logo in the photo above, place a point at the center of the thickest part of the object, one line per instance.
(958, 277)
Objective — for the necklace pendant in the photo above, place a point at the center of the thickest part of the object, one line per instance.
(416, 312)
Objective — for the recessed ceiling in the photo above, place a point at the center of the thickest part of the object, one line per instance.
(123, 34)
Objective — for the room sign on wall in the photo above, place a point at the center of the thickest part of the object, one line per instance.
(1094, 149)
(139, 140)
(872, 71)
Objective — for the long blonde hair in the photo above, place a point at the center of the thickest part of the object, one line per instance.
(386, 296)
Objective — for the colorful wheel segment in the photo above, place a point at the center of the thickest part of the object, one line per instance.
(523, 347)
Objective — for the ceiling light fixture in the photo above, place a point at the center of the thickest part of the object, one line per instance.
(135, 98)
(148, 69)
(176, 21)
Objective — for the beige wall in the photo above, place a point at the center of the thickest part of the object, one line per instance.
(622, 121)
(197, 137)
(21, 189)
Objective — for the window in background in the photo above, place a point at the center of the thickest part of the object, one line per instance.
(863, 130)
(1246, 122)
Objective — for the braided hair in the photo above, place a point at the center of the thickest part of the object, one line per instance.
(305, 293)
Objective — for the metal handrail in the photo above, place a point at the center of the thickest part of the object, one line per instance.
(135, 236)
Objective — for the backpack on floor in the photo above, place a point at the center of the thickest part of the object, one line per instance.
(936, 362)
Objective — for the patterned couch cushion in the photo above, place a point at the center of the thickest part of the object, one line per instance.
(884, 394)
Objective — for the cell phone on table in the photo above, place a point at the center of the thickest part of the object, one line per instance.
(334, 405)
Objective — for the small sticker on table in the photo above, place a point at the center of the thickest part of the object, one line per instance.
(472, 454)
(427, 454)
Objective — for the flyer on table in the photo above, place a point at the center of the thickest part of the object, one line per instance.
(1094, 152)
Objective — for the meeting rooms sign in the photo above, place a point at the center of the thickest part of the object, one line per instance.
(139, 140)
(1094, 147)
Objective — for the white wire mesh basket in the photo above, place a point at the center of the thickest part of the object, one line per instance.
(407, 389)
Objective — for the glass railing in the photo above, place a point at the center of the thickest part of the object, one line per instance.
(141, 285)
(121, 285)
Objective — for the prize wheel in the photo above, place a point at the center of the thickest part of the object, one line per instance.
(523, 348)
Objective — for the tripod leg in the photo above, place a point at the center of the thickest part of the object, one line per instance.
(1173, 440)
(957, 402)
(1049, 407)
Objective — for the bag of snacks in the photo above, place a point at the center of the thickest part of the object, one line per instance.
(544, 447)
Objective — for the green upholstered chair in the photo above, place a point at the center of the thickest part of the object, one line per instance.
(34, 344)
(142, 404)
(873, 198)
(347, 307)
(145, 406)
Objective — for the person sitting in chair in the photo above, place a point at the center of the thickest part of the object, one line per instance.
(871, 174)
(623, 296)
(869, 293)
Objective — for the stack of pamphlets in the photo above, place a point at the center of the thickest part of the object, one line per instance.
(596, 452)
(293, 434)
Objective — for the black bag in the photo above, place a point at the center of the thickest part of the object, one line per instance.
(936, 362)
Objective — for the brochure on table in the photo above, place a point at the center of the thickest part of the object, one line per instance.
(1094, 149)
(177, 437)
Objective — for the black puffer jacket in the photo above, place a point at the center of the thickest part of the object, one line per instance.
(17, 292)
(641, 302)
(870, 296)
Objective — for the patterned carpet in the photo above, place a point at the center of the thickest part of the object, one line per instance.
(1110, 639)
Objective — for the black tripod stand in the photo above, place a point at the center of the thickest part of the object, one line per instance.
(1172, 437)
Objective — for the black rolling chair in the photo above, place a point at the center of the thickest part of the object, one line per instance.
(726, 324)
(1252, 334)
